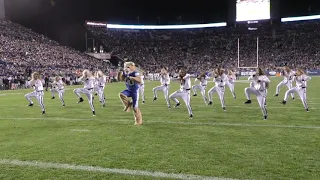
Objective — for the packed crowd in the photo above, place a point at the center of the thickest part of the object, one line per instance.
(23, 51)
(293, 43)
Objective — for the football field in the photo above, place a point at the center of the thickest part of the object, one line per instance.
(69, 143)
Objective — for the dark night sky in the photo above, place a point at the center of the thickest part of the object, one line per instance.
(60, 21)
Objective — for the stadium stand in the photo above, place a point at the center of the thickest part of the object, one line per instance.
(292, 43)
(23, 51)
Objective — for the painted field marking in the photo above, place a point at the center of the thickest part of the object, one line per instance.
(80, 130)
(9, 94)
(270, 107)
(175, 122)
(155, 105)
(155, 174)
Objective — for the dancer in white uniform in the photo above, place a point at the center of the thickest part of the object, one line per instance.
(184, 92)
(202, 86)
(38, 93)
(261, 84)
(88, 82)
(301, 88)
(58, 87)
(101, 80)
(165, 84)
(288, 75)
(231, 81)
(141, 89)
(96, 86)
(220, 80)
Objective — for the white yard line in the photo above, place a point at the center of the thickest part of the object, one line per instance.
(241, 125)
(9, 94)
(48, 165)
(269, 107)
(254, 105)
(244, 81)
(80, 130)
(191, 122)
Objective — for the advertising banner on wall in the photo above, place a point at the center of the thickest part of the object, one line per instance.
(247, 73)
(313, 72)
(271, 73)
(101, 56)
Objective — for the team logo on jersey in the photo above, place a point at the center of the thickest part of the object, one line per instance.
(129, 82)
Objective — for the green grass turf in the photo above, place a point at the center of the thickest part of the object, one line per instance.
(232, 144)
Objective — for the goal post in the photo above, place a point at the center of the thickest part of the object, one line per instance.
(257, 54)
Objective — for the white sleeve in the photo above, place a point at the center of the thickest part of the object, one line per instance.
(214, 80)
(265, 79)
(225, 78)
(37, 83)
(186, 76)
(80, 78)
(307, 78)
(32, 83)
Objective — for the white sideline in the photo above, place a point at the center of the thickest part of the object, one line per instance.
(80, 130)
(107, 170)
(269, 107)
(9, 94)
(173, 122)
(254, 106)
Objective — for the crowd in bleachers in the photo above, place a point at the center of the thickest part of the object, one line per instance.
(294, 43)
(23, 51)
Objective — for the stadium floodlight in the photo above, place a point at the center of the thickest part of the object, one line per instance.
(96, 24)
(300, 18)
(154, 27)
(188, 26)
